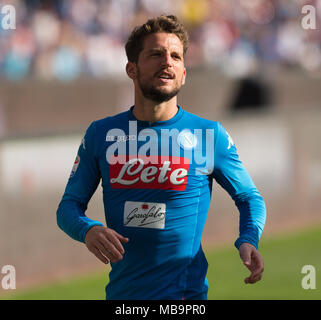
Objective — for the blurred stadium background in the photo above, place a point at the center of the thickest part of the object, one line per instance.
(251, 65)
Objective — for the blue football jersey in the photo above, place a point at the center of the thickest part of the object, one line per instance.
(157, 182)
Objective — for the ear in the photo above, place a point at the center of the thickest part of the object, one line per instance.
(184, 77)
(131, 70)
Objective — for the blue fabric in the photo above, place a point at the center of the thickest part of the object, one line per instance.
(160, 261)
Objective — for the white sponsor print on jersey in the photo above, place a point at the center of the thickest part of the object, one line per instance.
(122, 138)
(144, 214)
(139, 172)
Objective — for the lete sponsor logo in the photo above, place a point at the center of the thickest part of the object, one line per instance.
(150, 172)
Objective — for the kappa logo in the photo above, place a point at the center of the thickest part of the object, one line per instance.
(230, 141)
(83, 143)
(149, 172)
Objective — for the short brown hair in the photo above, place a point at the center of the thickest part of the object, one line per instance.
(166, 24)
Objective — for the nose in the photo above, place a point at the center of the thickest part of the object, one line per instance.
(167, 60)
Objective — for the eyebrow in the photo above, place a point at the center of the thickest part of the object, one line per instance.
(162, 50)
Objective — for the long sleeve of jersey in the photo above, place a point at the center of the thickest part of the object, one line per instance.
(82, 183)
(157, 182)
(230, 173)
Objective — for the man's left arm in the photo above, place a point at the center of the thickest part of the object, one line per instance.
(230, 173)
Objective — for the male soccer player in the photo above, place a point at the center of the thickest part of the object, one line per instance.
(157, 163)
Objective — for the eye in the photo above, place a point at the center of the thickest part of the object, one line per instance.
(176, 56)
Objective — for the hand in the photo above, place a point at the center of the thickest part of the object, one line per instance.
(105, 244)
(253, 261)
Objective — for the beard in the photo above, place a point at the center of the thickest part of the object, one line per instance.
(150, 92)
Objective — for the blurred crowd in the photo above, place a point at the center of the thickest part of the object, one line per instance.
(68, 39)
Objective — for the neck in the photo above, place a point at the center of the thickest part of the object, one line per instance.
(148, 110)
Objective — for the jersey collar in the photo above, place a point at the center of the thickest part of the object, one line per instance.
(141, 123)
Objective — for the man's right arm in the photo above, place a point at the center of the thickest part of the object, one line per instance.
(104, 243)
(82, 184)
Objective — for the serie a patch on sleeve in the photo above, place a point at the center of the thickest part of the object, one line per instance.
(75, 166)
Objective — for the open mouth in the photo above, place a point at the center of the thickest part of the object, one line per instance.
(166, 76)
